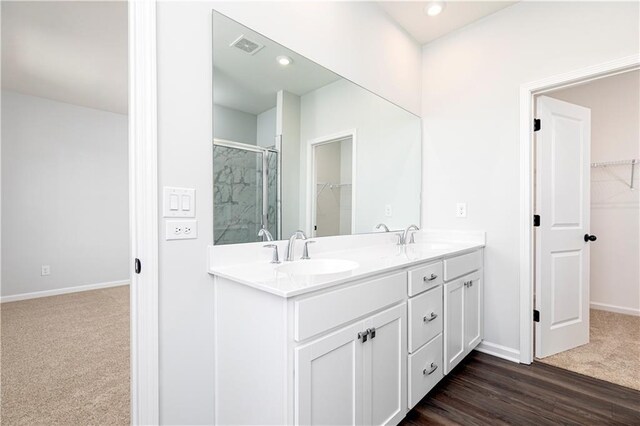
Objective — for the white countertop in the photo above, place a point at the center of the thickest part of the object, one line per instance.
(372, 260)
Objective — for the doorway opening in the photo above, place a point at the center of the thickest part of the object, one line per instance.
(332, 191)
(69, 216)
(587, 228)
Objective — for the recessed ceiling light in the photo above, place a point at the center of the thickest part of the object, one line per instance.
(284, 60)
(434, 8)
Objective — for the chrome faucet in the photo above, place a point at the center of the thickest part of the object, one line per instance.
(383, 226)
(298, 235)
(265, 234)
(410, 228)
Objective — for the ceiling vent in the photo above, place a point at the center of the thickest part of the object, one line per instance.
(246, 45)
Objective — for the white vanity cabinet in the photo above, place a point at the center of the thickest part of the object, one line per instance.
(355, 375)
(364, 351)
(334, 356)
(425, 316)
(463, 304)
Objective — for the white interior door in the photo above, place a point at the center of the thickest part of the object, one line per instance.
(562, 201)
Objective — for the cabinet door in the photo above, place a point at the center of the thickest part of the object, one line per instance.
(454, 324)
(473, 311)
(385, 367)
(329, 387)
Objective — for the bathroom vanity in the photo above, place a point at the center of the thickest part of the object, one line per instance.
(358, 327)
(357, 346)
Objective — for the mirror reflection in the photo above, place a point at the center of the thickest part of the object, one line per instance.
(296, 146)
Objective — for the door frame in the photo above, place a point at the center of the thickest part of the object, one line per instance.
(528, 92)
(143, 211)
(311, 175)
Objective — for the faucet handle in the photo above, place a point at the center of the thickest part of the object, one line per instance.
(305, 251)
(400, 239)
(276, 257)
(412, 240)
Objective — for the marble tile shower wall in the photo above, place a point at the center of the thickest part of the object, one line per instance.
(238, 195)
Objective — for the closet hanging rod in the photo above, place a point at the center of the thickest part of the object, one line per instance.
(631, 163)
(616, 163)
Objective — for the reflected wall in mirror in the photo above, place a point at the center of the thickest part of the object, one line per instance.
(296, 146)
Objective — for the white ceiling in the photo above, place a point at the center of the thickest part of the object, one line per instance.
(250, 83)
(73, 52)
(410, 15)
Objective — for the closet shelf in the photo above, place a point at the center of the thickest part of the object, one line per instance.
(631, 163)
(325, 185)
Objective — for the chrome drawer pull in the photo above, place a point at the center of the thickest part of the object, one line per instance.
(431, 278)
(430, 318)
(430, 370)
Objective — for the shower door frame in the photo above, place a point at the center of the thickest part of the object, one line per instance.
(265, 181)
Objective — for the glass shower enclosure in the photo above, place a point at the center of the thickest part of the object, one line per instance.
(246, 192)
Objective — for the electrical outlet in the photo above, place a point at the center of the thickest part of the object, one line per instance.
(181, 229)
(388, 211)
(461, 210)
(45, 270)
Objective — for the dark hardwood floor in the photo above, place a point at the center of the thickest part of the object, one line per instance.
(485, 390)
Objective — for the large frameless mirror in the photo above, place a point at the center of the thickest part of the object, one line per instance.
(296, 146)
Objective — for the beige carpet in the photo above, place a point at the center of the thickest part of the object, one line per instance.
(65, 359)
(612, 354)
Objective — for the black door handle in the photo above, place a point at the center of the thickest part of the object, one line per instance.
(588, 238)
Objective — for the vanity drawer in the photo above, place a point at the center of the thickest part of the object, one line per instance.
(425, 277)
(316, 314)
(461, 265)
(425, 317)
(425, 370)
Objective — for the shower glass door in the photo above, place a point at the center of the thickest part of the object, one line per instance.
(245, 192)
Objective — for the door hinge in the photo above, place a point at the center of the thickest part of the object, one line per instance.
(536, 220)
(536, 315)
(536, 124)
(137, 265)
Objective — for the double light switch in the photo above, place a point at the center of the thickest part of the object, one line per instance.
(179, 202)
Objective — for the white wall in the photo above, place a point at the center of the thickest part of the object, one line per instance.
(615, 213)
(234, 125)
(326, 32)
(387, 152)
(65, 195)
(470, 108)
(329, 33)
(267, 128)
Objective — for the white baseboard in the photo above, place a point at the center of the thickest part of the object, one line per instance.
(500, 351)
(76, 289)
(617, 309)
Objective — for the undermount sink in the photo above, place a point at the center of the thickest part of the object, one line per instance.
(317, 266)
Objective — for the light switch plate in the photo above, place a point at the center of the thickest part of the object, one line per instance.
(181, 229)
(179, 202)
